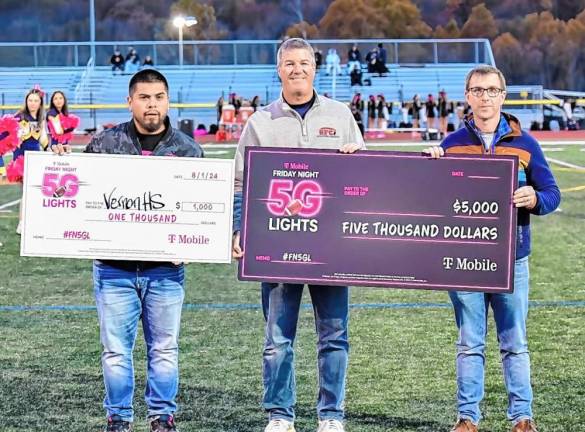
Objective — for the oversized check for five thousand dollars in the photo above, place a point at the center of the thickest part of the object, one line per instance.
(387, 219)
(127, 207)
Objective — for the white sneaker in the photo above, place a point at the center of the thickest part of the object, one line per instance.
(19, 228)
(279, 425)
(330, 425)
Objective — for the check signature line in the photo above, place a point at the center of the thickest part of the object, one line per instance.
(395, 214)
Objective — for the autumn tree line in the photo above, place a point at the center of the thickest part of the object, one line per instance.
(534, 41)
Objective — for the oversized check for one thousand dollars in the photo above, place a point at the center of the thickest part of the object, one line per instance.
(127, 207)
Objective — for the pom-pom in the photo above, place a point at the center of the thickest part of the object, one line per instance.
(8, 134)
(68, 124)
(15, 170)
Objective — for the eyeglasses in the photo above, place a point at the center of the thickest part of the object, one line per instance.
(479, 91)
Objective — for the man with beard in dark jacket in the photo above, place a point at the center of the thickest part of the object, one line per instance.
(127, 291)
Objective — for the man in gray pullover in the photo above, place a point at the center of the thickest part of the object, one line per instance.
(300, 118)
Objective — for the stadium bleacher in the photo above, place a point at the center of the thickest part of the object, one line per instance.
(15, 82)
(416, 66)
(403, 82)
(204, 85)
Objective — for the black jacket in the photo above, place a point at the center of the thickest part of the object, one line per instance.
(123, 139)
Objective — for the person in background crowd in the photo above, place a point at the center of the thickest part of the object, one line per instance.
(460, 114)
(201, 130)
(568, 109)
(147, 63)
(117, 62)
(416, 108)
(236, 102)
(354, 59)
(357, 106)
(332, 62)
(219, 108)
(358, 117)
(430, 111)
(372, 60)
(132, 53)
(443, 109)
(382, 112)
(132, 64)
(381, 68)
(221, 134)
(318, 59)
(356, 76)
(255, 104)
(389, 111)
(212, 129)
(372, 112)
(405, 109)
(357, 102)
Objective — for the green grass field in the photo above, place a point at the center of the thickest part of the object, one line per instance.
(402, 361)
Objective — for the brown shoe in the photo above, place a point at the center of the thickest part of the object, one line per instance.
(464, 425)
(525, 426)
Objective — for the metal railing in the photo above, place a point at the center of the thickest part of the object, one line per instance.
(240, 52)
(83, 85)
(527, 103)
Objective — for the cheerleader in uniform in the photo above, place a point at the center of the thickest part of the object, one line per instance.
(443, 109)
(372, 111)
(61, 124)
(33, 136)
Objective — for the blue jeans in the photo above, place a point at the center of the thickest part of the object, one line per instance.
(281, 304)
(123, 297)
(510, 312)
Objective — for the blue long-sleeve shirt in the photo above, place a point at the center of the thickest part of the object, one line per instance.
(510, 139)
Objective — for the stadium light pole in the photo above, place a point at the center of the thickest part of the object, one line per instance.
(92, 30)
(181, 22)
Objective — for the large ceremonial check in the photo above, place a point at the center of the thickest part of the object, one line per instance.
(127, 207)
(387, 219)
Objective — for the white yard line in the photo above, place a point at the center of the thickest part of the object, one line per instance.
(571, 143)
(565, 164)
(9, 204)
